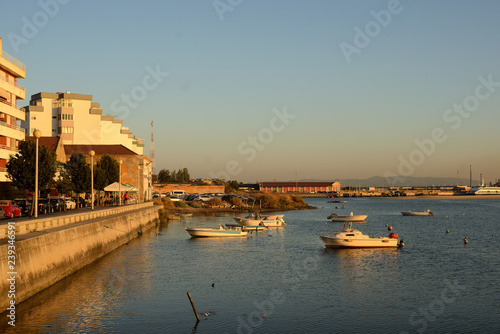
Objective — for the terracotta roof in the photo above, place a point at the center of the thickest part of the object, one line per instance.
(293, 183)
(49, 142)
(98, 149)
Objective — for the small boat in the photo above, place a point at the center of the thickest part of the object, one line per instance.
(350, 218)
(256, 228)
(258, 220)
(197, 232)
(349, 237)
(417, 213)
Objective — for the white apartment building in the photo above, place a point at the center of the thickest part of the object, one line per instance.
(11, 70)
(77, 120)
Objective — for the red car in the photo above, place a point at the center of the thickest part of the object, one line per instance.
(10, 208)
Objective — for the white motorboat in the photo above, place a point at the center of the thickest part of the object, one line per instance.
(350, 218)
(258, 220)
(215, 232)
(250, 229)
(417, 213)
(349, 237)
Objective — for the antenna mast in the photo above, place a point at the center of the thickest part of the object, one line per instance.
(152, 150)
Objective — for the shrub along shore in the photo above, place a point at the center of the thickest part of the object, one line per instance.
(260, 202)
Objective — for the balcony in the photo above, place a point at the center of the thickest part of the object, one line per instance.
(12, 87)
(9, 108)
(6, 152)
(12, 65)
(11, 131)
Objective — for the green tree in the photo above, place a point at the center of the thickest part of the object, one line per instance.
(79, 172)
(164, 176)
(21, 167)
(106, 171)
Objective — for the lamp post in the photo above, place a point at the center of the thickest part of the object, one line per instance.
(120, 184)
(138, 184)
(37, 133)
(92, 153)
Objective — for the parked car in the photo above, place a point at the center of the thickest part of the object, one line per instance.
(2, 214)
(11, 209)
(70, 204)
(24, 205)
(57, 204)
(43, 206)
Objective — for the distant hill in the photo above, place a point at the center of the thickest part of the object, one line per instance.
(410, 181)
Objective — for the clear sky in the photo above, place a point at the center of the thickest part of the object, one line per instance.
(266, 90)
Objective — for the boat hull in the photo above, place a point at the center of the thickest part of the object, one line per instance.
(355, 218)
(381, 242)
(213, 232)
(415, 213)
(265, 221)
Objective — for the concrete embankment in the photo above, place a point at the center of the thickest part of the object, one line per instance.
(42, 258)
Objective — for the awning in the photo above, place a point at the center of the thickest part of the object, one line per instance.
(124, 187)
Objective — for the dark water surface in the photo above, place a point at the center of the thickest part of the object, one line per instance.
(285, 281)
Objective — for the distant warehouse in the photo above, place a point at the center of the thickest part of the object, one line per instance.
(288, 187)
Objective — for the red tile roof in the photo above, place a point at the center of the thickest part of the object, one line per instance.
(98, 149)
(49, 142)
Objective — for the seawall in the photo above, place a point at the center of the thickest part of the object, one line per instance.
(43, 258)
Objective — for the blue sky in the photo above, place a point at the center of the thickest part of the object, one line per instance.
(233, 71)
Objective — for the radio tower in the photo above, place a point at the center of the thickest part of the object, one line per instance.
(152, 149)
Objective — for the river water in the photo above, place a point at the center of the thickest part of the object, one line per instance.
(284, 281)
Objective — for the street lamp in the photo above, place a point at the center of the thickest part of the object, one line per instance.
(37, 133)
(120, 184)
(138, 184)
(92, 153)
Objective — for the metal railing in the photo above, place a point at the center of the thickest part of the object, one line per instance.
(12, 126)
(13, 60)
(13, 149)
(12, 105)
(12, 82)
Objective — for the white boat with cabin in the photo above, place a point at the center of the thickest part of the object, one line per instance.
(349, 237)
(258, 220)
(197, 232)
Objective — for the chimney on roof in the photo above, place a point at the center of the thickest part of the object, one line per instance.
(67, 92)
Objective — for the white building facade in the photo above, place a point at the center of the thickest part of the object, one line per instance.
(77, 120)
(11, 70)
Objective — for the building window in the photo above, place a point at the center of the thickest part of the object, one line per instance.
(65, 129)
(66, 117)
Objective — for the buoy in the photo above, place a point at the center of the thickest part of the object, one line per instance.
(390, 228)
(446, 216)
(447, 231)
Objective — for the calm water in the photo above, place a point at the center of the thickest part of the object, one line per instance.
(285, 281)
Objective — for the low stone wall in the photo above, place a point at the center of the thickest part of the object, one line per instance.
(45, 222)
(42, 260)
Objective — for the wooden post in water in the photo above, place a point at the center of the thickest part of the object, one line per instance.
(194, 308)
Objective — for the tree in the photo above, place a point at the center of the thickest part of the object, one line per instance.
(106, 171)
(79, 172)
(21, 167)
(164, 176)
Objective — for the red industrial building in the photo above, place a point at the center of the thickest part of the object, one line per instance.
(303, 187)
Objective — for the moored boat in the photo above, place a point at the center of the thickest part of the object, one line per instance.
(350, 218)
(215, 232)
(256, 228)
(349, 237)
(417, 213)
(258, 220)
